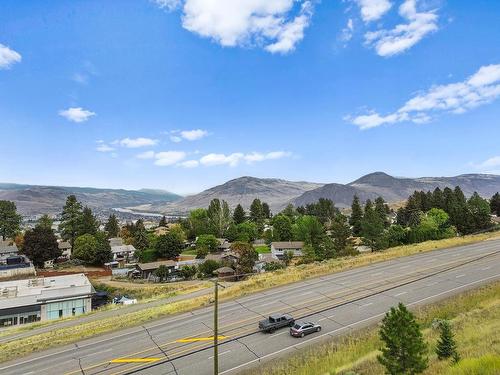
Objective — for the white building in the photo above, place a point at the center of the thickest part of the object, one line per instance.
(278, 249)
(41, 299)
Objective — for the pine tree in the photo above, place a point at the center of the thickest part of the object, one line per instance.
(71, 219)
(239, 214)
(45, 222)
(495, 204)
(372, 228)
(446, 346)
(140, 239)
(356, 216)
(437, 198)
(10, 221)
(266, 211)
(256, 213)
(341, 233)
(163, 221)
(88, 223)
(405, 350)
(382, 210)
(112, 227)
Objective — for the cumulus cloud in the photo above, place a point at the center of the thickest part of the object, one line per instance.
(8, 57)
(104, 148)
(167, 158)
(76, 114)
(189, 164)
(137, 142)
(372, 10)
(146, 155)
(481, 88)
(193, 135)
(403, 36)
(276, 25)
(235, 158)
(347, 31)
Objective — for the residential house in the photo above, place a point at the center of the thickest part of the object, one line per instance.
(265, 259)
(121, 252)
(65, 248)
(228, 257)
(40, 299)
(145, 270)
(225, 273)
(279, 248)
(223, 245)
(115, 241)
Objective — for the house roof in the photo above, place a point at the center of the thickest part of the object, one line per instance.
(155, 265)
(224, 270)
(115, 241)
(122, 249)
(288, 245)
(64, 245)
(268, 258)
(7, 247)
(219, 257)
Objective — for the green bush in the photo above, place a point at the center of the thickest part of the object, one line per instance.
(146, 256)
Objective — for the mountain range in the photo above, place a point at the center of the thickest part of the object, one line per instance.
(35, 199)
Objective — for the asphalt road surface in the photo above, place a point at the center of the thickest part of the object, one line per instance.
(340, 302)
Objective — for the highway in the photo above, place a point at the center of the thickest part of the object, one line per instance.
(340, 302)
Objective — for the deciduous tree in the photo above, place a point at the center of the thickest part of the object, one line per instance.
(40, 245)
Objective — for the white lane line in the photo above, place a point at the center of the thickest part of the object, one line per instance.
(347, 326)
(226, 352)
(432, 284)
(377, 274)
(325, 318)
(366, 304)
(400, 294)
(459, 276)
(485, 268)
(306, 293)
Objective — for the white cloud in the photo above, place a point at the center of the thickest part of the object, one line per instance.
(235, 158)
(276, 25)
(489, 163)
(193, 135)
(167, 158)
(481, 88)
(76, 114)
(137, 142)
(189, 164)
(175, 138)
(372, 10)
(220, 159)
(347, 31)
(146, 155)
(403, 36)
(104, 147)
(8, 57)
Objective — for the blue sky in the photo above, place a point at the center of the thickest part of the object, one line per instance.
(185, 94)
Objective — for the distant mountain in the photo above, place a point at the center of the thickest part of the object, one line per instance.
(35, 199)
(395, 189)
(277, 193)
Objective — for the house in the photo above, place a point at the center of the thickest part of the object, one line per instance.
(115, 241)
(147, 269)
(279, 248)
(65, 248)
(230, 258)
(41, 299)
(263, 260)
(8, 248)
(226, 273)
(223, 245)
(160, 231)
(14, 265)
(123, 251)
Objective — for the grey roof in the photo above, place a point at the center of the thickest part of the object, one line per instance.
(34, 291)
(122, 249)
(115, 241)
(7, 247)
(155, 265)
(224, 270)
(288, 245)
(64, 245)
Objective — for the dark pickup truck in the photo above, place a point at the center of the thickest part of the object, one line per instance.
(275, 322)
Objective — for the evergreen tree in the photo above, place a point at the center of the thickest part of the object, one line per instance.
(239, 214)
(437, 198)
(266, 211)
(405, 350)
(290, 211)
(356, 216)
(112, 226)
(45, 222)
(88, 222)
(40, 245)
(341, 233)
(163, 221)
(140, 238)
(102, 253)
(446, 345)
(478, 213)
(495, 204)
(256, 213)
(10, 221)
(372, 228)
(382, 210)
(71, 219)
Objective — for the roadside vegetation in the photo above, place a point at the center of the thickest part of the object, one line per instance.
(474, 317)
(66, 335)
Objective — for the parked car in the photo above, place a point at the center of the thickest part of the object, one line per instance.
(124, 300)
(300, 329)
(275, 322)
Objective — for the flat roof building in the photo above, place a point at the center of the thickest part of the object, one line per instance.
(44, 298)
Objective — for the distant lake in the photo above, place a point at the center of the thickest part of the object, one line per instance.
(129, 211)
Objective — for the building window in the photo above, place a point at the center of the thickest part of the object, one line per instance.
(63, 309)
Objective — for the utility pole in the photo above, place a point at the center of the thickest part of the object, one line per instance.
(216, 328)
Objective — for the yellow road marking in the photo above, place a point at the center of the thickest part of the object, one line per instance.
(353, 290)
(134, 360)
(196, 339)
